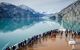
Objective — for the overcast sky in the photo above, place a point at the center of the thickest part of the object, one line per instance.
(49, 6)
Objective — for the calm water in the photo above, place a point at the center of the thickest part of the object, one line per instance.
(13, 37)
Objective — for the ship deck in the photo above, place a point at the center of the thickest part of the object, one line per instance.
(57, 42)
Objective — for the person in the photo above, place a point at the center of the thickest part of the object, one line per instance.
(18, 45)
(14, 47)
(72, 43)
(7, 48)
(61, 33)
(66, 35)
(79, 33)
(72, 35)
(40, 35)
(24, 42)
(54, 35)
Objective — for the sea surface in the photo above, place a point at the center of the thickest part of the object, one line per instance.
(12, 37)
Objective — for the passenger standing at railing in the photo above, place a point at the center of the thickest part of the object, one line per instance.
(75, 34)
(39, 35)
(72, 35)
(19, 45)
(61, 33)
(7, 48)
(24, 42)
(66, 35)
(13, 47)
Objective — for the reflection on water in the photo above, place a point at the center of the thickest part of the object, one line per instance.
(10, 38)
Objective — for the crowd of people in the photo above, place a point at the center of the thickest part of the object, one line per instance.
(72, 34)
(30, 41)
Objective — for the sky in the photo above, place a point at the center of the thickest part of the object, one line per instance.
(47, 6)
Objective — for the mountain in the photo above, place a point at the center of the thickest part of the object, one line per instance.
(26, 8)
(31, 10)
(13, 17)
(71, 16)
(56, 17)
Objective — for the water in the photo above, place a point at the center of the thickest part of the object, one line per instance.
(13, 37)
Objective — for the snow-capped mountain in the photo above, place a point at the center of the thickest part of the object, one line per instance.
(26, 8)
(13, 17)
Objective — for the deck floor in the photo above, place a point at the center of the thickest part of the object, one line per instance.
(52, 43)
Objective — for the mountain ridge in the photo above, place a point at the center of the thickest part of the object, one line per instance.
(71, 16)
(14, 15)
